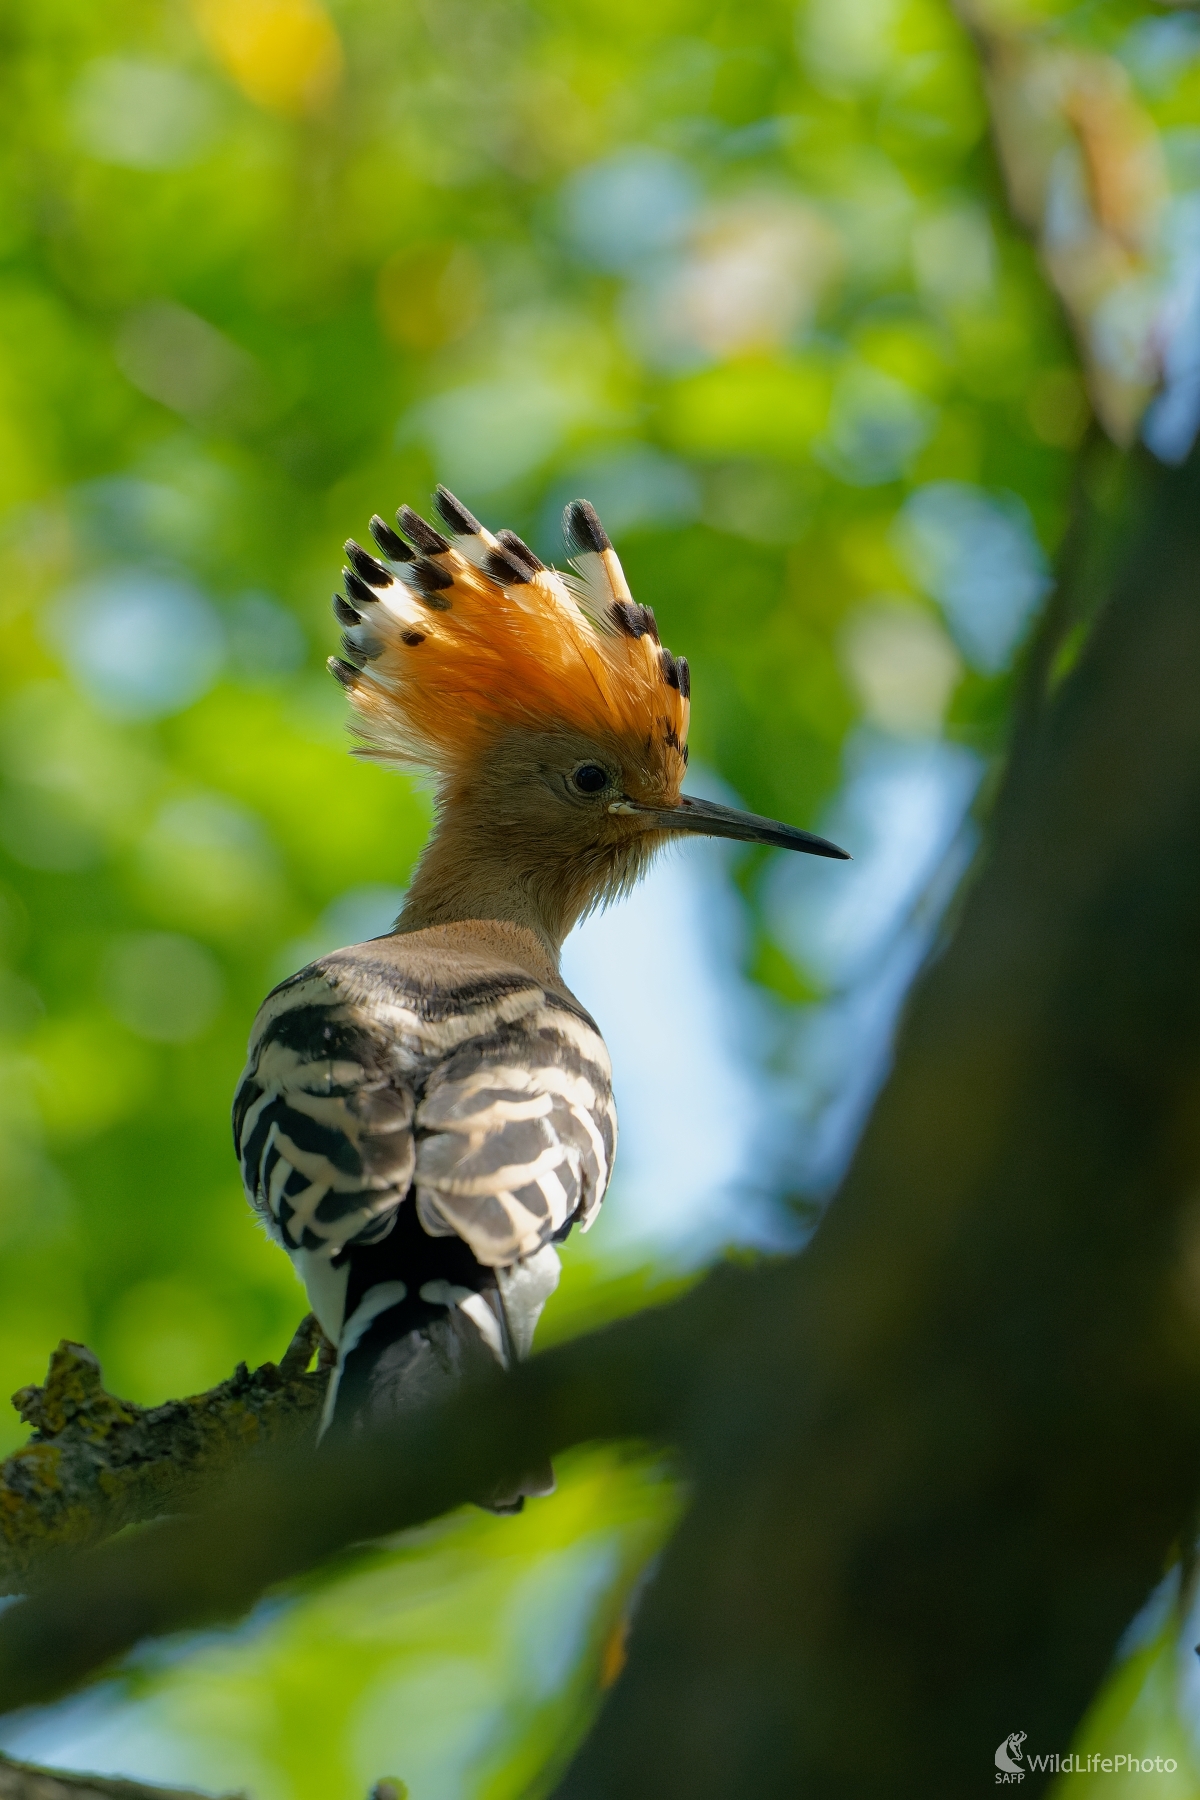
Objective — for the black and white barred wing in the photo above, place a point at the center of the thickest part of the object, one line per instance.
(495, 1098)
(323, 1118)
(515, 1135)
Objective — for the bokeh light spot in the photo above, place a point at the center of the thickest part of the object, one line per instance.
(285, 55)
(162, 986)
(139, 645)
(902, 665)
(977, 555)
(633, 205)
(141, 114)
(207, 863)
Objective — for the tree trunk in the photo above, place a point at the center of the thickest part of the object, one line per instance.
(938, 1481)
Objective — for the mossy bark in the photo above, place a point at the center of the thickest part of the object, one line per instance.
(96, 1463)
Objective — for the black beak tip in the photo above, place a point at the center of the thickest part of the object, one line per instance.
(815, 846)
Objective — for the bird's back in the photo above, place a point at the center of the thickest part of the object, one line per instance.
(420, 1119)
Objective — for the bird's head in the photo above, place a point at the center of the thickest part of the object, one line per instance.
(552, 718)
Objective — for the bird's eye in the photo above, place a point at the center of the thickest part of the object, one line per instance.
(590, 778)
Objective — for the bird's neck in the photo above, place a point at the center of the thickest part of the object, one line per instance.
(472, 870)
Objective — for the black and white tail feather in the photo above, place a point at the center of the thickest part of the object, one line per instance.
(418, 1151)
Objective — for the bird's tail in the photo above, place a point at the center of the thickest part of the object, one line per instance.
(400, 1351)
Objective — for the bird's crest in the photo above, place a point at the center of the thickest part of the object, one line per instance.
(456, 634)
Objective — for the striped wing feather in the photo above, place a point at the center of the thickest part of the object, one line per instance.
(322, 1124)
(516, 1143)
(495, 1100)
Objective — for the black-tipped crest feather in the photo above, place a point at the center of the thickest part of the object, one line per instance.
(454, 513)
(582, 528)
(357, 590)
(431, 578)
(450, 661)
(634, 620)
(389, 541)
(420, 532)
(505, 568)
(519, 549)
(365, 565)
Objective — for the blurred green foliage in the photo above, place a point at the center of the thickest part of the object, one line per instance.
(745, 276)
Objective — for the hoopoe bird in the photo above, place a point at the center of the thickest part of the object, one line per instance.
(423, 1118)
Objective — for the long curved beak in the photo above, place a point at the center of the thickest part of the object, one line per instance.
(711, 820)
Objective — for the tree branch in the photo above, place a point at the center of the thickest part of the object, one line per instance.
(95, 1463)
(27, 1781)
(30, 1781)
(285, 1510)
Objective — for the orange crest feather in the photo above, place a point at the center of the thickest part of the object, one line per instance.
(470, 635)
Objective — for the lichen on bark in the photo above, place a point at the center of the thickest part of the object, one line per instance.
(96, 1463)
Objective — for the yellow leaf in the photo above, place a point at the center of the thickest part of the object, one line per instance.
(285, 55)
